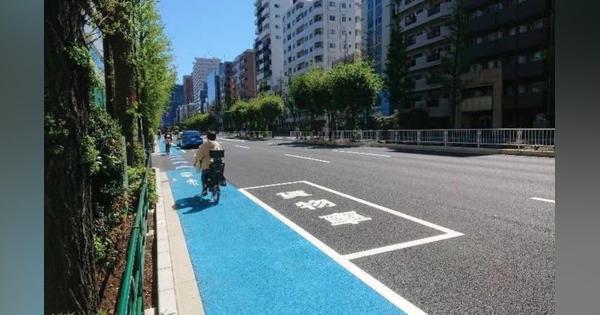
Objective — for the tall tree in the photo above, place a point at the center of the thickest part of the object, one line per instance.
(398, 84)
(270, 107)
(454, 62)
(69, 276)
(301, 94)
(354, 87)
(155, 74)
(117, 20)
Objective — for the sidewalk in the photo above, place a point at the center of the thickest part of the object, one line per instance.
(432, 148)
(177, 286)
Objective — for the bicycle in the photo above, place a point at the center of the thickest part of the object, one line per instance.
(215, 178)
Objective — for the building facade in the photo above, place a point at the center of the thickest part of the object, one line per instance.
(202, 66)
(510, 79)
(213, 92)
(188, 89)
(319, 33)
(244, 75)
(424, 24)
(170, 117)
(226, 85)
(268, 43)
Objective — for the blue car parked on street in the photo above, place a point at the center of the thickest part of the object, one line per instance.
(191, 139)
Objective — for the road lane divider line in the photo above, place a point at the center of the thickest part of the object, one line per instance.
(242, 146)
(273, 185)
(362, 153)
(234, 140)
(366, 278)
(389, 248)
(542, 199)
(306, 158)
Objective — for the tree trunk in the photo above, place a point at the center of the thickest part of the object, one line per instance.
(109, 75)
(69, 275)
(125, 92)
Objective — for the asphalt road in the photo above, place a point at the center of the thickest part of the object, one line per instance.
(502, 264)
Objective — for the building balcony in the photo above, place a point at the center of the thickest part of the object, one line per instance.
(425, 39)
(476, 104)
(407, 4)
(421, 63)
(472, 4)
(424, 84)
(445, 8)
(523, 11)
(530, 100)
(524, 70)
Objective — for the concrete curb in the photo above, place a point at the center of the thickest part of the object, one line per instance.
(177, 287)
(432, 148)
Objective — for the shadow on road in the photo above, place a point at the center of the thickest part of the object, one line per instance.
(437, 153)
(314, 146)
(194, 204)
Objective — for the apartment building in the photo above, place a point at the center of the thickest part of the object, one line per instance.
(244, 75)
(424, 23)
(268, 43)
(319, 33)
(510, 80)
(202, 66)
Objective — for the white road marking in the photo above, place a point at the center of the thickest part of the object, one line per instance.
(241, 146)
(542, 199)
(234, 140)
(272, 185)
(389, 248)
(307, 158)
(362, 153)
(182, 151)
(183, 166)
(180, 162)
(375, 284)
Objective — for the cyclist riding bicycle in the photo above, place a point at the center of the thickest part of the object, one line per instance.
(204, 161)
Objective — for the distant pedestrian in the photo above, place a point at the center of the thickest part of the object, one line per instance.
(168, 141)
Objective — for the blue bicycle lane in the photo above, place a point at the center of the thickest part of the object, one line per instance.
(248, 262)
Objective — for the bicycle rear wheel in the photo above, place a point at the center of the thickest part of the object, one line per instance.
(216, 194)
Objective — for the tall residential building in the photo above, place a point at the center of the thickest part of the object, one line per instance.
(188, 89)
(318, 33)
(244, 75)
(268, 43)
(424, 24)
(202, 66)
(510, 80)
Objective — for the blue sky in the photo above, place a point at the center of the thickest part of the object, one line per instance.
(207, 28)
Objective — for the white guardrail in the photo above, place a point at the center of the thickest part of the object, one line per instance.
(515, 137)
(249, 134)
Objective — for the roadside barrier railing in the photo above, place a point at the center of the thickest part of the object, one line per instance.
(252, 134)
(131, 291)
(502, 137)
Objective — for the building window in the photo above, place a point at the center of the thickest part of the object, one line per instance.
(332, 31)
(276, 5)
(332, 17)
(331, 45)
(343, 19)
(343, 5)
(331, 4)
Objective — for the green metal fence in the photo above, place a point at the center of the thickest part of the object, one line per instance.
(131, 292)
